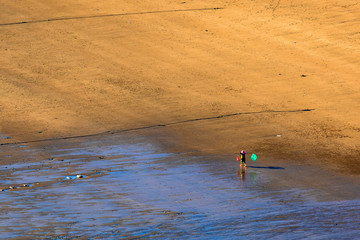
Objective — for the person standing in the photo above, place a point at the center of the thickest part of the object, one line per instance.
(242, 158)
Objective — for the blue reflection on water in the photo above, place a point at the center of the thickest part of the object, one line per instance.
(136, 191)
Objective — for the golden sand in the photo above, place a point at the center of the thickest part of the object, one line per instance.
(75, 68)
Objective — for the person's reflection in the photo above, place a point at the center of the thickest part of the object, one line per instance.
(241, 173)
(252, 176)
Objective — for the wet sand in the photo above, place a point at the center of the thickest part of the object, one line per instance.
(205, 78)
(71, 69)
(119, 186)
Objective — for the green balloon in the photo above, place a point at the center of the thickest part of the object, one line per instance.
(253, 157)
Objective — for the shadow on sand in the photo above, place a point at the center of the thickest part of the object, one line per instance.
(270, 167)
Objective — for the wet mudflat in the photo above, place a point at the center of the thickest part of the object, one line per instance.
(106, 188)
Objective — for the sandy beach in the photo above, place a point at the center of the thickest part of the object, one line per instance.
(75, 69)
(205, 78)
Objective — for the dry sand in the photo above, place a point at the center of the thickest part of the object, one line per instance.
(72, 68)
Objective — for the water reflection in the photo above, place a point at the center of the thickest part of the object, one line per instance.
(241, 173)
(135, 191)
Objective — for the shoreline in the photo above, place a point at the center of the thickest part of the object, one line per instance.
(128, 182)
(326, 184)
(62, 79)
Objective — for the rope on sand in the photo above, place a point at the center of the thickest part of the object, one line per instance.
(108, 15)
(159, 125)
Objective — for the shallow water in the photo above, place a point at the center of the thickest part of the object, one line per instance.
(137, 191)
